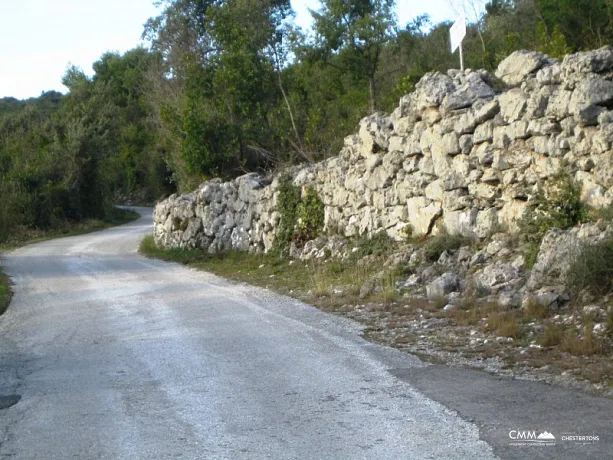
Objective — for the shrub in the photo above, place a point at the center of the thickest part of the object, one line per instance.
(301, 217)
(436, 245)
(592, 269)
(289, 199)
(378, 244)
(310, 214)
(147, 245)
(556, 206)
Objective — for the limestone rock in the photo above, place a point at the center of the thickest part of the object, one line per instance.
(515, 68)
(443, 285)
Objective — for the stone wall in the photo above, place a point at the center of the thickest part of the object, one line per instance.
(465, 151)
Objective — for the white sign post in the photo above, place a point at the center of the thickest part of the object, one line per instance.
(457, 34)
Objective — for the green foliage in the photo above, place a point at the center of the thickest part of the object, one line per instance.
(310, 214)
(234, 85)
(442, 242)
(554, 46)
(65, 159)
(376, 245)
(301, 217)
(585, 23)
(287, 206)
(556, 206)
(147, 245)
(356, 32)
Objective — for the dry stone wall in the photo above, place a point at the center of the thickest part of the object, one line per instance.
(464, 152)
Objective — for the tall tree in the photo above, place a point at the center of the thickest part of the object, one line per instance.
(357, 31)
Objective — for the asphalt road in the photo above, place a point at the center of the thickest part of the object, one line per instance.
(115, 356)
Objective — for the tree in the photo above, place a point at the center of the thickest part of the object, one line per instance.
(585, 24)
(357, 31)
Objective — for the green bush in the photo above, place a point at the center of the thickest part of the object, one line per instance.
(287, 206)
(378, 244)
(556, 206)
(438, 244)
(301, 217)
(310, 214)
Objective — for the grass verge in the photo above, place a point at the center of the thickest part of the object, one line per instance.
(27, 236)
(328, 284)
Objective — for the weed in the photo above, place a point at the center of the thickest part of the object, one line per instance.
(147, 245)
(552, 335)
(310, 217)
(319, 281)
(605, 213)
(289, 199)
(388, 287)
(439, 302)
(377, 245)
(535, 310)
(467, 313)
(531, 247)
(301, 217)
(586, 346)
(358, 274)
(503, 324)
(592, 268)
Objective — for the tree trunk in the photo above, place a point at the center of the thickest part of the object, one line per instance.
(373, 94)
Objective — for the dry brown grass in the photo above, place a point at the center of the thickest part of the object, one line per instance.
(503, 324)
(535, 310)
(587, 345)
(552, 336)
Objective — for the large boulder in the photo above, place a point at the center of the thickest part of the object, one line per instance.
(431, 91)
(515, 68)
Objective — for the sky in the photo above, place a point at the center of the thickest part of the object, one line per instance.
(39, 39)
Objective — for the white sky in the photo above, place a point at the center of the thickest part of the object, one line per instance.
(40, 38)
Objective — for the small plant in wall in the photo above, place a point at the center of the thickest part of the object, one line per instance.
(287, 206)
(310, 215)
(301, 215)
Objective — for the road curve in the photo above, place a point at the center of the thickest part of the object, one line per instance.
(116, 356)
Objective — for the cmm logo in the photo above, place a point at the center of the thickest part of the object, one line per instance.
(531, 436)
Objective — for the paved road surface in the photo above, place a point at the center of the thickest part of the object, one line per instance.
(119, 357)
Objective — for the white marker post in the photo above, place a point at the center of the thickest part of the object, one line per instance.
(457, 34)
